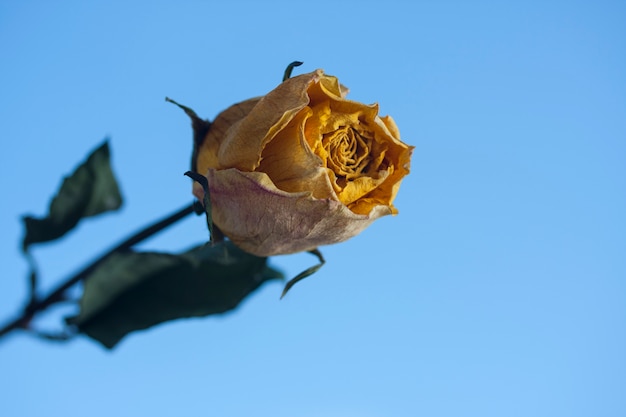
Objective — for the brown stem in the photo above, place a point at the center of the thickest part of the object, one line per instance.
(56, 295)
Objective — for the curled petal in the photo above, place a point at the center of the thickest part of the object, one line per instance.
(244, 142)
(266, 221)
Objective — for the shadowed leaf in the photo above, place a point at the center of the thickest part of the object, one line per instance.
(90, 190)
(135, 291)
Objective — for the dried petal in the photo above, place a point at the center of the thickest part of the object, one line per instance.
(263, 220)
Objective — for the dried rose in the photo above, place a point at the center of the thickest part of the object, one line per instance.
(300, 167)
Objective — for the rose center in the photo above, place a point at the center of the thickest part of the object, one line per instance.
(348, 152)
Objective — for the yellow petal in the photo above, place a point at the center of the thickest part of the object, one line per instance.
(244, 142)
(359, 187)
(326, 87)
(291, 164)
(399, 156)
(207, 152)
(391, 126)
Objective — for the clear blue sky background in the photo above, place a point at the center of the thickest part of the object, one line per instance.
(499, 289)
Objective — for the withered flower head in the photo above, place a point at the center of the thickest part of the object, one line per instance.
(300, 167)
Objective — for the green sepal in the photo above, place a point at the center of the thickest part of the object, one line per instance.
(290, 68)
(200, 128)
(306, 273)
(216, 234)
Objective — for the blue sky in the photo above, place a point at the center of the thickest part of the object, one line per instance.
(499, 289)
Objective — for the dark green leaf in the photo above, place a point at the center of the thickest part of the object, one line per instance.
(90, 190)
(135, 291)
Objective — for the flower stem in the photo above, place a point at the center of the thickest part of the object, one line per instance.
(58, 294)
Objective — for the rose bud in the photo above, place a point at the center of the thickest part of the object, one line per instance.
(300, 167)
